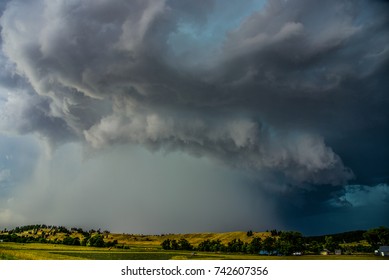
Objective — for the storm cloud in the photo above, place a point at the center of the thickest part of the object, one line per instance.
(295, 92)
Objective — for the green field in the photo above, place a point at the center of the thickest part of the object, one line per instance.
(36, 251)
(123, 246)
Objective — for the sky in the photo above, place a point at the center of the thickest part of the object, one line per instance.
(177, 116)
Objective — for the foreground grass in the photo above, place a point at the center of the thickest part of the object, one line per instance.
(37, 251)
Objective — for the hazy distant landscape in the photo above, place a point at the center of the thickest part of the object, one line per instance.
(57, 242)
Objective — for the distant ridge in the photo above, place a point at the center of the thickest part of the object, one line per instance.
(194, 238)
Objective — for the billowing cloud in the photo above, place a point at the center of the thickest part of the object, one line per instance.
(293, 91)
(103, 74)
(358, 195)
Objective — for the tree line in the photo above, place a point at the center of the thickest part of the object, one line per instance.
(288, 243)
(92, 238)
(96, 240)
(278, 242)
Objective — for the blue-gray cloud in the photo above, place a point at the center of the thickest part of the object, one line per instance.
(359, 195)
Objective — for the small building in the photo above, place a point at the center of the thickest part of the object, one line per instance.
(325, 252)
(338, 252)
(1, 240)
(382, 251)
(267, 253)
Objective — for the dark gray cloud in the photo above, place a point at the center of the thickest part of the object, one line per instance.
(295, 91)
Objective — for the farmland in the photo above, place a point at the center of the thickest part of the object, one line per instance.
(40, 242)
(37, 251)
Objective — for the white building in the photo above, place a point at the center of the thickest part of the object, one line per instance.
(382, 251)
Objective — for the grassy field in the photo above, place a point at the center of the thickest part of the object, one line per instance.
(142, 247)
(36, 251)
(139, 239)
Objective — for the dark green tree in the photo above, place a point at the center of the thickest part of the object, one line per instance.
(84, 241)
(315, 247)
(268, 244)
(76, 241)
(377, 236)
(330, 244)
(111, 243)
(255, 245)
(217, 246)
(211, 246)
(96, 241)
(184, 244)
(166, 244)
(175, 245)
(205, 246)
(67, 240)
(235, 245)
(290, 242)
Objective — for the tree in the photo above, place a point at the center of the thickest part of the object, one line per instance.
(174, 245)
(269, 244)
(211, 246)
(377, 236)
(84, 241)
(290, 242)
(250, 233)
(166, 244)
(315, 247)
(67, 240)
(217, 246)
(205, 246)
(371, 237)
(63, 230)
(235, 245)
(76, 241)
(111, 243)
(96, 241)
(184, 244)
(330, 244)
(255, 245)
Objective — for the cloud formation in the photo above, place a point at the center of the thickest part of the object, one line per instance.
(104, 73)
(357, 196)
(294, 91)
